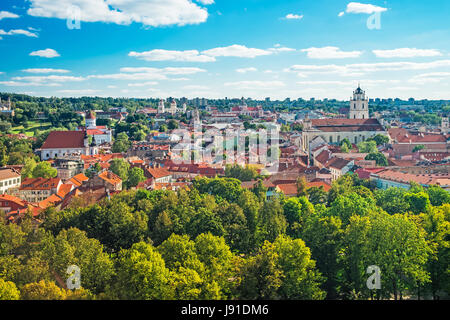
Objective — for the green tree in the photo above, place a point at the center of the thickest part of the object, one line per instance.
(8, 290)
(28, 168)
(380, 139)
(121, 144)
(73, 247)
(120, 167)
(369, 146)
(141, 275)
(42, 290)
(379, 158)
(323, 235)
(44, 170)
(392, 200)
(438, 196)
(136, 175)
(281, 270)
(272, 221)
(418, 148)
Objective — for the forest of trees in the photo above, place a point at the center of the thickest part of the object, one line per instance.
(220, 241)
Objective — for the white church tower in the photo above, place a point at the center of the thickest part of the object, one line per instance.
(161, 107)
(359, 105)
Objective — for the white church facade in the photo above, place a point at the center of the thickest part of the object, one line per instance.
(357, 128)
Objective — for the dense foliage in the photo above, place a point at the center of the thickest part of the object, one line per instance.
(220, 241)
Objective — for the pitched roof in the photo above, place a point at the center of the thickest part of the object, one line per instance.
(158, 172)
(7, 197)
(387, 174)
(64, 190)
(347, 125)
(8, 173)
(288, 188)
(78, 179)
(64, 140)
(319, 184)
(50, 201)
(110, 177)
(39, 183)
(337, 163)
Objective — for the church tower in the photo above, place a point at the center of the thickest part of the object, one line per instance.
(359, 105)
(161, 107)
(91, 122)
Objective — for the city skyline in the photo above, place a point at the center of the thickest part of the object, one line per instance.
(217, 49)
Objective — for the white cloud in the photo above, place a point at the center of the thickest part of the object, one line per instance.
(431, 77)
(206, 2)
(18, 32)
(407, 53)
(45, 70)
(148, 12)
(236, 51)
(78, 92)
(256, 84)
(47, 53)
(356, 7)
(50, 78)
(362, 68)
(341, 14)
(143, 84)
(292, 16)
(278, 49)
(168, 70)
(210, 55)
(147, 74)
(170, 55)
(6, 14)
(330, 53)
(28, 84)
(245, 70)
(143, 76)
(195, 87)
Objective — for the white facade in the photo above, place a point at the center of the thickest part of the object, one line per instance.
(47, 154)
(359, 105)
(161, 107)
(9, 183)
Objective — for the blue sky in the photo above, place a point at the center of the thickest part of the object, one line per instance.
(226, 48)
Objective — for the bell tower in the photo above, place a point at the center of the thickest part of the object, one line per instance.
(359, 105)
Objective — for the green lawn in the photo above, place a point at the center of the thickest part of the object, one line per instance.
(32, 125)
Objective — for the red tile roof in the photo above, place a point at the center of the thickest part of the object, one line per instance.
(157, 173)
(78, 179)
(8, 173)
(337, 163)
(39, 183)
(319, 184)
(64, 140)
(347, 125)
(7, 197)
(64, 190)
(110, 177)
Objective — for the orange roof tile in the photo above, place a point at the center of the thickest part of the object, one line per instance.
(110, 177)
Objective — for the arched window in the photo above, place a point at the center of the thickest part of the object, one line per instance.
(331, 139)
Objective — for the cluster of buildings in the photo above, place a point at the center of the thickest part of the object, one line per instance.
(83, 157)
(6, 108)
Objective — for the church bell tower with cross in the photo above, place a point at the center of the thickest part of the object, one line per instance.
(359, 105)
